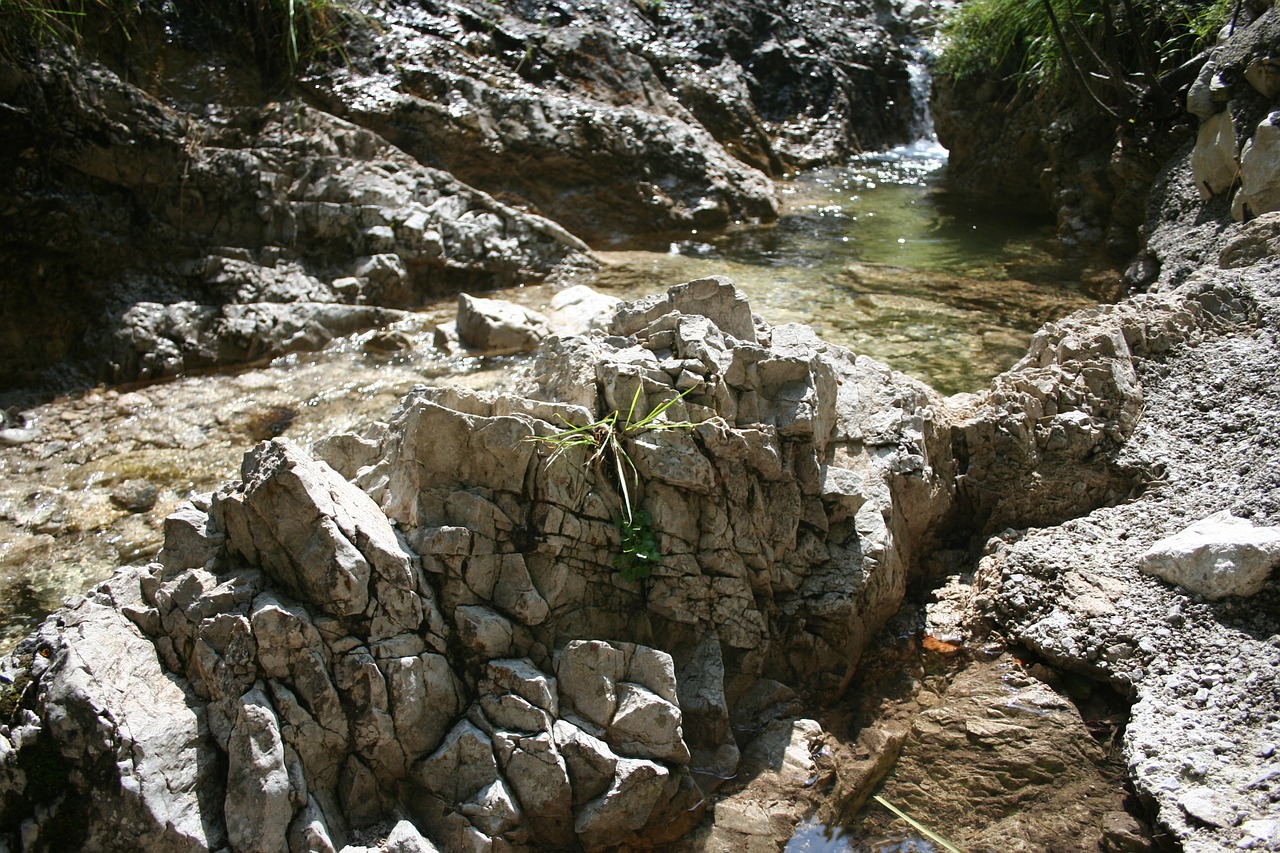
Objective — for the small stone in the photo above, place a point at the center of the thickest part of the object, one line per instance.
(135, 495)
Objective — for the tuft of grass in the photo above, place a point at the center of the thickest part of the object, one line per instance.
(285, 35)
(639, 554)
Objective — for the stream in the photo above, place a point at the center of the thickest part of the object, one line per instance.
(874, 255)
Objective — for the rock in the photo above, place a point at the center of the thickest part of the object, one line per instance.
(589, 760)
(1216, 161)
(1260, 168)
(646, 725)
(1256, 241)
(495, 327)
(257, 806)
(405, 838)
(587, 674)
(786, 747)
(135, 495)
(484, 632)
(613, 817)
(462, 766)
(578, 310)
(1004, 745)
(715, 298)
(111, 702)
(321, 600)
(1218, 556)
(318, 519)
(1263, 74)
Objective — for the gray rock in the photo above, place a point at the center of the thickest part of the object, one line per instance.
(463, 765)
(587, 674)
(405, 838)
(647, 726)
(613, 817)
(258, 811)
(496, 327)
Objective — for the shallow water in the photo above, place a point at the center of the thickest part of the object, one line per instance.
(873, 255)
(876, 256)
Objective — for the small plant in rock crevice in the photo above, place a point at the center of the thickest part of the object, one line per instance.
(639, 549)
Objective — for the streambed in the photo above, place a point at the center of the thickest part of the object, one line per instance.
(873, 255)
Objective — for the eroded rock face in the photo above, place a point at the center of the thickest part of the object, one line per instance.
(273, 232)
(1199, 659)
(439, 628)
(185, 212)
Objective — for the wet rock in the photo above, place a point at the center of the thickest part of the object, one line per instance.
(291, 228)
(1008, 748)
(135, 495)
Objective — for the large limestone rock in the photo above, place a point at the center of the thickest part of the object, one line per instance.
(1216, 160)
(440, 629)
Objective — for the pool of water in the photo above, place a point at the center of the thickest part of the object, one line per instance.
(878, 257)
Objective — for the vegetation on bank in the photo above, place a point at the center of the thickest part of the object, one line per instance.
(1127, 55)
(285, 35)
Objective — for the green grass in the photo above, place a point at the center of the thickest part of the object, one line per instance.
(1110, 45)
(285, 35)
(639, 545)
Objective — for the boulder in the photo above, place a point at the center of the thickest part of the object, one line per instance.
(1216, 557)
(1216, 161)
(257, 805)
(1260, 170)
(497, 327)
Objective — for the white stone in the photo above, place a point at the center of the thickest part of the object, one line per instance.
(496, 326)
(1260, 168)
(1219, 556)
(1214, 162)
(577, 310)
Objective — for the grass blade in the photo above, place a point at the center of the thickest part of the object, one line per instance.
(917, 826)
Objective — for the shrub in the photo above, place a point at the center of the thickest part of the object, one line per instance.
(1120, 51)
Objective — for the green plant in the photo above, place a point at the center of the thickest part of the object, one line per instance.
(1127, 55)
(639, 550)
(917, 826)
(62, 20)
(639, 547)
(284, 34)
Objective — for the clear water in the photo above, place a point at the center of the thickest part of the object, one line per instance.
(813, 836)
(876, 256)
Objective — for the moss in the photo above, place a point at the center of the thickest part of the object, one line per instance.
(11, 693)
